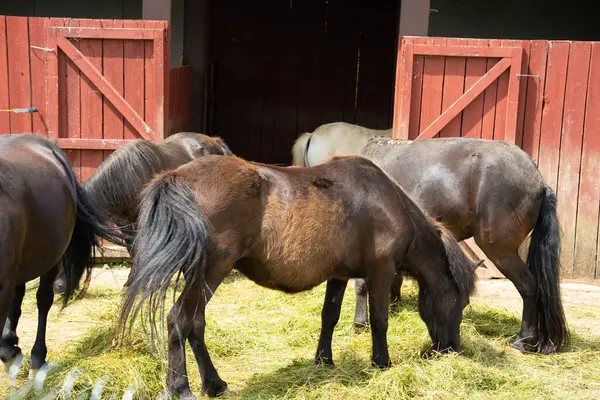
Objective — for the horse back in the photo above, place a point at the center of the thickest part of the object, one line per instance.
(456, 180)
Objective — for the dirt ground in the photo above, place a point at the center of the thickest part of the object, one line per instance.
(581, 302)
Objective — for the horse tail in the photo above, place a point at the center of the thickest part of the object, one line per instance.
(300, 149)
(171, 240)
(543, 261)
(77, 260)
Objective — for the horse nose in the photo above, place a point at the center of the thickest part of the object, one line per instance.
(59, 286)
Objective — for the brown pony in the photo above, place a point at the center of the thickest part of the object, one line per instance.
(492, 191)
(288, 229)
(48, 222)
(117, 182)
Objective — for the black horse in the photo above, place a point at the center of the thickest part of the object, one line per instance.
(48, 221)
(492, 191)
(117, 182)
(289, 229)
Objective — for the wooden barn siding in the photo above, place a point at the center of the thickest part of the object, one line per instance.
(557, 124)
(83, 111)
(180, 81)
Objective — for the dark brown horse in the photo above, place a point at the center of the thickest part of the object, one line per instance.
(492, 191)
(48, 221)
(288, 229)
(116, 184)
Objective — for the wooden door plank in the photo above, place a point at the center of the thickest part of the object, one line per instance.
(19, 82)
(72, 110)
(552, 114)
(91, 102)
(433, 82)
(38, 58)
(466, 99)
(526, 44)
(107, 89)
(112, 67)
(454, 87)
(535, 95)
(513, 84)
(149, 74)
(134, 80)
(490, 96)
(4, 98)
(415, 88)
(472, 114)
(587, 244)
(570, 153)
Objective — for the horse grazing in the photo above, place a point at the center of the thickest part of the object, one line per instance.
(116, 184)
(492, 191)
(337, 138)
(288, 229)
(48, 221)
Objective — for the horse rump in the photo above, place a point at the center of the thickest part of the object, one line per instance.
(171, 240)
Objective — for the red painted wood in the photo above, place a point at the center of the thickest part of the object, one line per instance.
(433, 81)
(4, 103)
(106, 88)
(490, 95)
(131, 32)
(472, 114)
(552, 114)
(454, 86)
(149, 76)
(512, 97)
(112, 66)
(501, 104)
(38, 59)
(526, 44)
(19, 82)
(465, 51)
(587, 262)
(570, 152)
(161, 73)
(91, 102)
(416, 91)
(134, 79)
(88, 144)
(72, 110)
(465, 100)
(534, 100)
(408, 66)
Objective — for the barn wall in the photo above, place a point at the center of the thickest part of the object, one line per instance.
(559, 106)
(110, 9)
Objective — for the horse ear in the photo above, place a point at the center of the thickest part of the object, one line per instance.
(226, 150)
(478, 264)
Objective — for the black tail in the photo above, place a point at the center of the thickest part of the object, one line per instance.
(89, 227)
(171, 239)
(543, 261)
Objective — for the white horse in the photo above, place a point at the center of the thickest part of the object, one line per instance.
(337, 138)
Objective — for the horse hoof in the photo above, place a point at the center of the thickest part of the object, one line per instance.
(214, 388)
(324, 361)
(39, 376)
(381, 364)
(13, 366)
(360, 326)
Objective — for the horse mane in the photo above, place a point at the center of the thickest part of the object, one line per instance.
(461, 268)
(115, 183)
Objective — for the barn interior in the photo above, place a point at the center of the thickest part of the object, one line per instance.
(265, 71)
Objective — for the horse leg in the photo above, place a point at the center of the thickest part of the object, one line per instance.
(45, 297)
(395, 292)
(9, 334)
(10, 355)
(379, 285)
(330, 316)
(194, 312)
(515, 270)
(360, 313)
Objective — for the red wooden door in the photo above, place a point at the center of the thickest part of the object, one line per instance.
(105, 85)
(457, 87)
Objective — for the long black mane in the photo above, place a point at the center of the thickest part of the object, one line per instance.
(115, 184)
